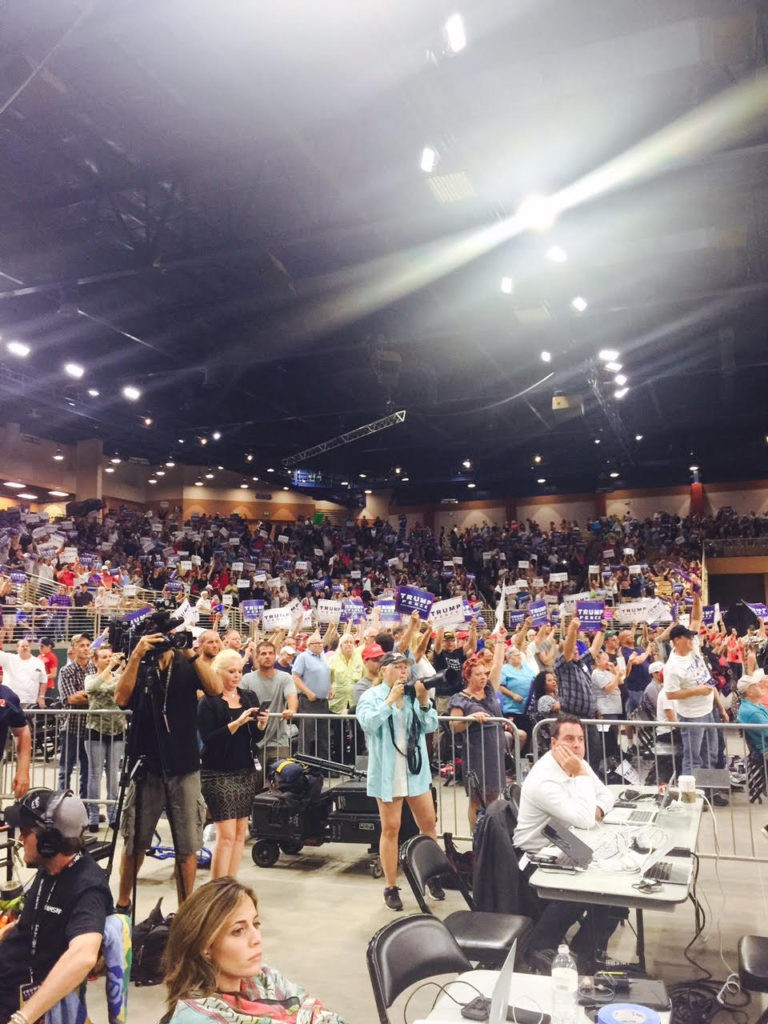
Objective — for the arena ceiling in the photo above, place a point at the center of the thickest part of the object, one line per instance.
(222, 205)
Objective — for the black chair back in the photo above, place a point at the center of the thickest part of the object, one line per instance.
(409, 950)
(422, 861)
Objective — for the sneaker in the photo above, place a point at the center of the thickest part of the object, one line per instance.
(435, 889)
(392, 897)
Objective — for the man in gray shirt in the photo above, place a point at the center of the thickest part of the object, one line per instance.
(276, 689)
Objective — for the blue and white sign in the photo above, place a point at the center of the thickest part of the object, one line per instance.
(412, 599)
(590, 614)
(252, 610)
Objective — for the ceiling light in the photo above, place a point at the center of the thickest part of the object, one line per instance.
(613, 367)
(159, 472)
(597, 440)
(58, 455)
(244, 485)
(405, 479)
(455, 33)
(147, 421)
(608, 355)
(209, 475)
(131, 393)
(614, 475)
(471, 486)
(216, 435)
(537, 459)
(620, 379)
(180, 440)
(59, 494)
(115, 460)
(270, 469)
(345, 483)
(398, 470)
(18, 348)
(362, 476)
(170, 464)
(694, 469)
(620, 393)
(507, 285)
(249, 457)
(537, 213)
(109, 469)
(93, 392)
(467, 464)
(546, 357)
(541, 480)
(579, 304)
(74, 370)
(254, 478)
(152, 480)
(556, 254)
(220, 468)
(428, 160)
(285, 488)
(639, 437)
(14, 486)
(26, 494)
(368, 491)
(203, 440)
(198, 481)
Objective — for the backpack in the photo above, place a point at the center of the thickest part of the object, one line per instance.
(294, 779)
(150, 938)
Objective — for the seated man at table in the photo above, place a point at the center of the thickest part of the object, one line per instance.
(562, 785)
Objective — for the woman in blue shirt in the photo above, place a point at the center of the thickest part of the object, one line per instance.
(395, 725)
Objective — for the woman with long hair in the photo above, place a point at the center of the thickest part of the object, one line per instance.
(214, 970)
(230, 726)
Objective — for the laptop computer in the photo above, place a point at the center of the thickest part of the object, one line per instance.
(622, 815)
(493, 1009)
(670, 864)
(577, 853)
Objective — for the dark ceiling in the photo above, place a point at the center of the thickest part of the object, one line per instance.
(221, 204)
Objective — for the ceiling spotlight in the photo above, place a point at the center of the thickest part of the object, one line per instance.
(345, 483)
(216, 435)
(244, 485)
(398, 470)
(152, 480)
(26, 494)
(608, 355)
(180, 440)
(556, 254)
(115, 460)
(546, 357)
(613, 367)
(220, 468)
(507, 285)
(254, 478)
(368, 490)
(694, 469)
(203, 441)
(467, 464)
(270, 469)
(537, 459)
(209, 475)
(14, 486)
(198, 481)
(579, 304)
(541, 480)
(471, 486)
(94, 392)
(131, 393)
(18, 348)
(159, 472)
(597, 440)
(620, 393)
(428, 160)
(614, 475)
(639, 437)
(620, 379)
(74, 370)
(58, 455)
(147, 421)
(249, 457)
(405, 479)
(59, 494)
(455, 33)
(537, 213)
(170, 464)
(109, 469)
(285, 487)
(362, 476)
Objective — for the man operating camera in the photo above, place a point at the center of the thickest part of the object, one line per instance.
(164, 755)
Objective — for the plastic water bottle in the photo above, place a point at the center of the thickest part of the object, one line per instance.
(565, 987)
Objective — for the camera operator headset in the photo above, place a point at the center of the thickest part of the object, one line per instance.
(160, 684)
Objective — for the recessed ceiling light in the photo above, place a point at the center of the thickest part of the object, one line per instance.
(541, 480)
(14, 486)
(620, 393)
(428, 160)
(198, 482)
(286, 488)
(59, 494)
(74, 370)
(147, 421)
(58, 455)
(546, 357)
(18, 348)
(115, 460)
(613, 367)
(537, 459)
(216, 435)
(614, 475)
(26, 494)
(467, 464)
(131, 392)
(203, 440)
(94, 392)
(556, 254)
(368, 491)
(579, 303)
(180, 440)
(152, 480)
(406, 479)
(160, 472)
(244, 485)
(254, 478)
(209, 475)
(471, 486)
(219, 468)
(694, 469)
(608, 355)
(537, 213)
(270, 469)
(507, 285)
(344, 483)
(620, 379)
(109, 469)
(639, 437)
(398, 470)
(597, 440)
(362, 476)
(455, 33)
(170, 464)
(249, 457)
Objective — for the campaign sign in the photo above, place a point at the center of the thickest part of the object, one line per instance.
(555, 616)
(515, 619)
(355, 574)
(328, 611)
(337, 588)
(570, 601)
(458, 560)
(629, 552)
(635, 570)
(17, 577)
(708, 613)
(252, 610)
(468, 613)
(282, 538)
(237, 567)
(523, 565)
(243, 584)
(68, 555)
(302, 567)
(276, 618)
(448, 613)
(138, 614)
(594, 570)
(760, 610)
(590, 614)
(387, 611)
(226, 599)
(352, 610)
(392, 562)
(412, 599)
(185, 566)
(538, 613)
(609, 553)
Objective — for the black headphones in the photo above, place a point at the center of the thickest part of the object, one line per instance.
(49, 838)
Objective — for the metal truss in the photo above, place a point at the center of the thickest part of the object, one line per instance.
(348, 438)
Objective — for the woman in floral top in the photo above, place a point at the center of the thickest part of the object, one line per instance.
(213, 966)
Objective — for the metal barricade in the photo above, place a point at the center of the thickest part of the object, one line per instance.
(651, 754)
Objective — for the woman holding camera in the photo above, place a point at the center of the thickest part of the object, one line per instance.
(230, 726)
(395, 723)
(214, 970)
(104, 733)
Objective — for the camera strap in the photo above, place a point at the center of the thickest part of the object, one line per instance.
(412, 753)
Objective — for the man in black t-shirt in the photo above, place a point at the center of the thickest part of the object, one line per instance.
(55, 943)
(450, 658)
(164, 733)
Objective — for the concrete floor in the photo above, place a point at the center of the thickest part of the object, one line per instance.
(320, 908)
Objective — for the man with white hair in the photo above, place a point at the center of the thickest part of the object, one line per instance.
(25, 674)
(752, 711)
(312, 678)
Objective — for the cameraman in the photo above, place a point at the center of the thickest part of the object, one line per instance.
(395, 721)
(164, 734)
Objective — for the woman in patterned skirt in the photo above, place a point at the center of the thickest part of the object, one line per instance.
(229, 727)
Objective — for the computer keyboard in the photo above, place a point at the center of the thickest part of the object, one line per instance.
(640, 817)
(660, 871)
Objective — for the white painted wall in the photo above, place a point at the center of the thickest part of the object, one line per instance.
(463, 519)
(555, 510)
